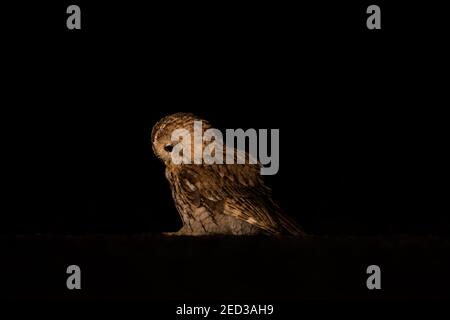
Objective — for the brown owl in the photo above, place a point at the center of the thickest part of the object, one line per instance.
(218, 198)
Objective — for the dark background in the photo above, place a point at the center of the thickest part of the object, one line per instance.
(358, 140)
(362, 128)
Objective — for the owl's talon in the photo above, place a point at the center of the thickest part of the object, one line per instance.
(170, 233)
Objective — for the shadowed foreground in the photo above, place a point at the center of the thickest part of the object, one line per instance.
(224, 268)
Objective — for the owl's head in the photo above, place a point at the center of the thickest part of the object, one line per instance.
(162, 143)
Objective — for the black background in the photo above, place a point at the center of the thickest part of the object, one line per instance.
(358, 140)
(359, 111)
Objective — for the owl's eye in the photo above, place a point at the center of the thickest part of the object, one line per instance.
(168, 148)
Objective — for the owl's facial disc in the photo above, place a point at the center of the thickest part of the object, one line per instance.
(162, 131)
(162, 147)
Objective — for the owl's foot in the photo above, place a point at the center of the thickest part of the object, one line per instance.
(174, 233)
(185, 233)
(182, 232)
(189, 232)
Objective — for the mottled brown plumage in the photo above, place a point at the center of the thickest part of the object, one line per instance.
(218, 198)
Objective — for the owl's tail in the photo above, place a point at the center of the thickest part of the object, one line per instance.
(287, 225)
(290, 227)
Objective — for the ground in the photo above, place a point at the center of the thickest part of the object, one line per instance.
(158, 267)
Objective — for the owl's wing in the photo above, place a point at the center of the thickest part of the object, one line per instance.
(236, 190)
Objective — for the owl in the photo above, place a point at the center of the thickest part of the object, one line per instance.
(228, 199)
